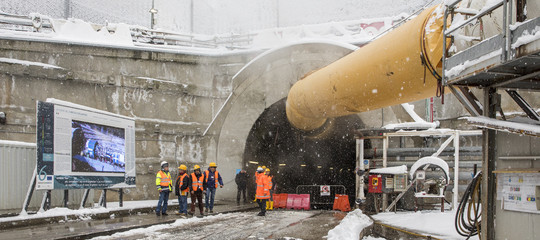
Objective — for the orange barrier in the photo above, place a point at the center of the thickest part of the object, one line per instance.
(280, 200)
(341, 202)
(298, 201)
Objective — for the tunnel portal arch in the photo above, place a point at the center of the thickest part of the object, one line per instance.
(257, 86)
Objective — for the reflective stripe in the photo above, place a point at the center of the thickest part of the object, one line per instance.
(197, 183)
(182, 183)
(206, 173)
(165, 179)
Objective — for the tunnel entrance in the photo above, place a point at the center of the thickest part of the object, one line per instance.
(299, 158)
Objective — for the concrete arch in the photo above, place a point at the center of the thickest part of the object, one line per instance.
(260, 83)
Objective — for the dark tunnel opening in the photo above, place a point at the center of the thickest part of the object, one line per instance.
(299, 158)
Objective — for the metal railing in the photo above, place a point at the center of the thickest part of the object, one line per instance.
(140, 35)
(447, 32)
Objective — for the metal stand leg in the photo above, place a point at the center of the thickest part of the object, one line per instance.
(121, 196)
(84, 198)
(30, 192)
(103, 199)
(66, 198)
(46, 203)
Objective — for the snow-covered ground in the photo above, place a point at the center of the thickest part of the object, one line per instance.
(436, 223)
(245, 225)
(86, 213)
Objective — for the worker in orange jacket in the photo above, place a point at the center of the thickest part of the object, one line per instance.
(263, 191)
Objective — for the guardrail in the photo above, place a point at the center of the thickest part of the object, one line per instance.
(140, 35)
(503, 39)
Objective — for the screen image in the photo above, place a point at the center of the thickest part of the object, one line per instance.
(97, 148)
(79, 147)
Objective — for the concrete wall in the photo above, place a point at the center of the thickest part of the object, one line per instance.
(511, 224)
(172, 96)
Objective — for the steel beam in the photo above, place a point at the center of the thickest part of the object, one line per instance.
(523, 104)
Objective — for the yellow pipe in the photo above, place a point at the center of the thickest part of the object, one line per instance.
(386, 72)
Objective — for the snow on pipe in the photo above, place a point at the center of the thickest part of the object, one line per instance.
(386, 72)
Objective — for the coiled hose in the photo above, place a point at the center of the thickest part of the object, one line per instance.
(468, 214)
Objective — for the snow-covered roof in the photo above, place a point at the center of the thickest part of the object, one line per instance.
(514, 127)
(17, 143)
(390, 170)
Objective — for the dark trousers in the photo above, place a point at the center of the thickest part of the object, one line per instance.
(162, 202)
(262, 204)
(196, 196)
(243, 191)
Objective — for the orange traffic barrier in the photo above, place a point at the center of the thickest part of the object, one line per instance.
(280, 200)
(298, 201)
(341, 202)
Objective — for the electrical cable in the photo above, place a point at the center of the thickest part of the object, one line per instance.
(468, 215)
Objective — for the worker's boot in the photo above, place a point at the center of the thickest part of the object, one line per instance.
(267, 205)
(271, 205)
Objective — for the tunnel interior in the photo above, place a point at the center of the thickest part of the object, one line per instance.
(299, 158)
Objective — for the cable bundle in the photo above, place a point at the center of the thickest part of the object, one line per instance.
(468, 213)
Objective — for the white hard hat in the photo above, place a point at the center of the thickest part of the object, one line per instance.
(164, 163)
(259, 169)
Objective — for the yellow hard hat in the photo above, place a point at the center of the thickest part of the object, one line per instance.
(213, 164)
(268, 170)
(182, 167)
(264, 167)
(196, 167)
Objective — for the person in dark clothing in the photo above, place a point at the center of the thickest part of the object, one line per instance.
(197, 188)
(181, 189)
(241, 181)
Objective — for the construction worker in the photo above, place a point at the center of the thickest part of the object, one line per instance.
(211, 179)
(263, 191)
(257, 175)
(197, 189)
(241, 180)
(164, 186)
(182, 189)
(270, 203)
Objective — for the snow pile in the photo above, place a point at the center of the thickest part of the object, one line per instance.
(411, 125)
(28, 63)
(351, 226)
(85, 213)
(153, 229)
(17, 143)
(527, 37)
(372, 238)
(489, 122)
(459, 68)
(418, 123)
(81, 31)
(390, 170)
(440, 224)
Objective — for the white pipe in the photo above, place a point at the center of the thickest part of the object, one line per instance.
(456, 171)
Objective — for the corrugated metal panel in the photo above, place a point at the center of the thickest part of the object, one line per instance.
(17, 163)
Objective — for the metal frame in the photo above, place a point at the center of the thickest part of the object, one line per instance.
(510, 72)
(453, 135)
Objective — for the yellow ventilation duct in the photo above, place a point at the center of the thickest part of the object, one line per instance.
(386, 72)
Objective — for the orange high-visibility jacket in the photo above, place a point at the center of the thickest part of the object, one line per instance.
(180, 183)
(163, 180)
(263, 187)
(197, 183)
